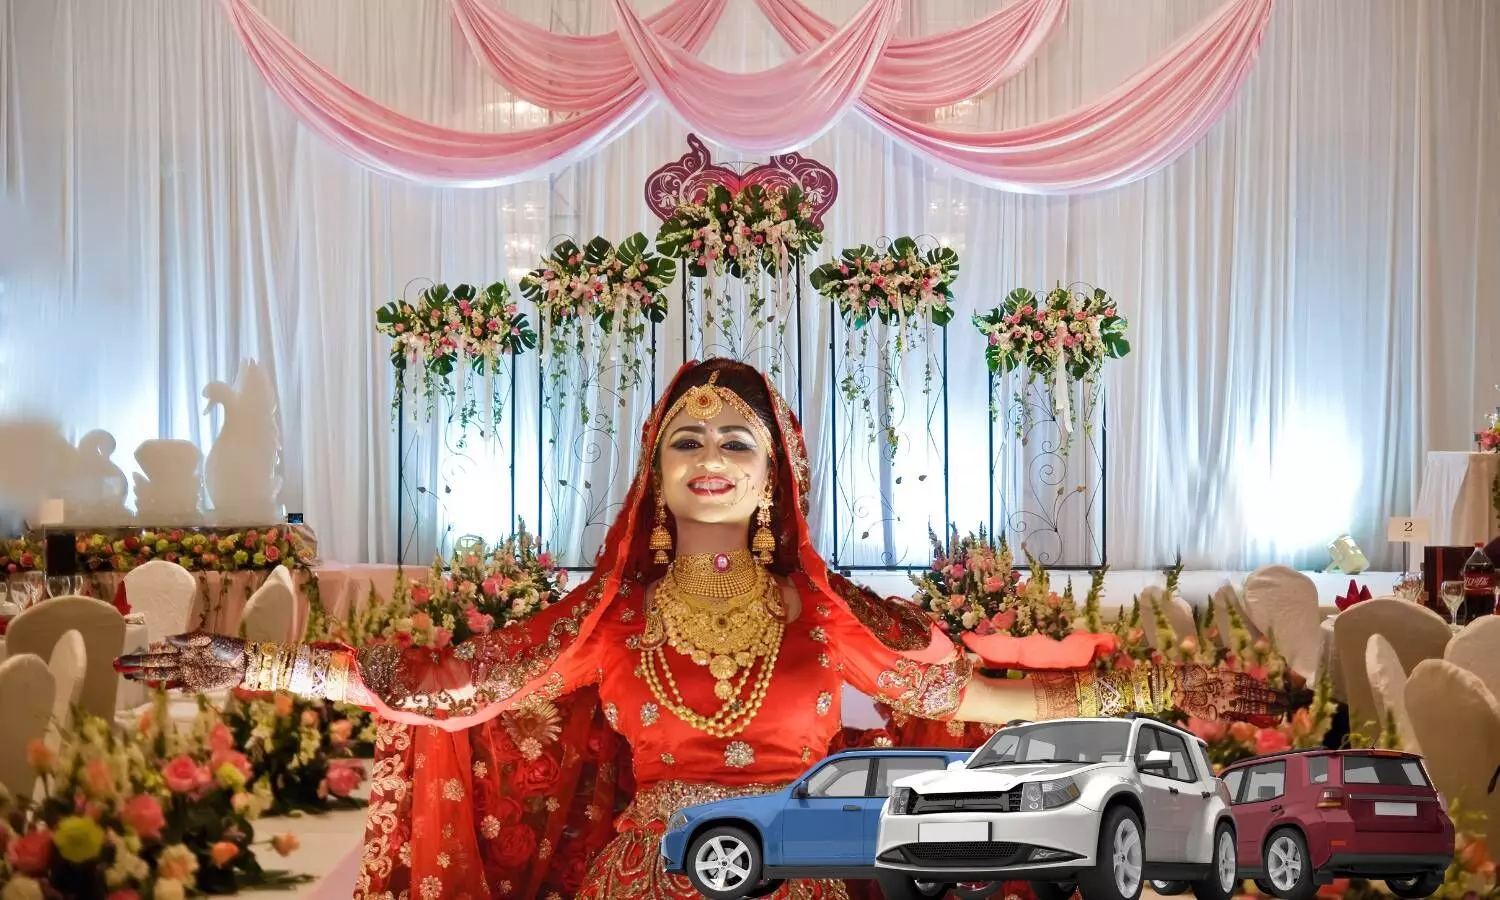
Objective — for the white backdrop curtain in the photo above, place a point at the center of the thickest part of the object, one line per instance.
(1311, 288)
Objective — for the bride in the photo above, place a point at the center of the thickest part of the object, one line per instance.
(712, 639)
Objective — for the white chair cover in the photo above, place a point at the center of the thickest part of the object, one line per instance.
(1477, 648)
(1414, 632)
(69, 666)
(39, 628)
(1457, 721)
(163, 592)
(1388, 685)
(1283, 604)
(271, 613)
(1225, 599)
(26, 697)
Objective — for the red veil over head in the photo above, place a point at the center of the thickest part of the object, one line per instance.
(513, 798)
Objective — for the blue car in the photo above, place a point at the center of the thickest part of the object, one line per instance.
(823, 825)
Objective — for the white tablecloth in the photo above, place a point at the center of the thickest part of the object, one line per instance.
(1456, 498)
(131, 694)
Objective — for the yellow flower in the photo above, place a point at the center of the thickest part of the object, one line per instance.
(230, 777)
(78, 839)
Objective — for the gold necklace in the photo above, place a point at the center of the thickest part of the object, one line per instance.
(720, 575)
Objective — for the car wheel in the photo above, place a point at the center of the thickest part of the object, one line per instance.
(1417, 886)
(767, 888)
(1170, 888)
(1223, 879)
(900, 887)
(1052, 890)
(1264, 887)
(723, 863)
(1288, 868)
(1121, 859)
(976, 890)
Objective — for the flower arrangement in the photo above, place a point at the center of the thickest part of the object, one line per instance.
(464, 329)
(1488, 440)
(616, 289)
(904, 289)
(301, 751)
(156, 813)
(1064, 338)
(743, 234)
(20, 554)
(195, 550)
(475, 594)
(971, 584)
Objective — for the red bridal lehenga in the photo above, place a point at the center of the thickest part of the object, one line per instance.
(557, 779)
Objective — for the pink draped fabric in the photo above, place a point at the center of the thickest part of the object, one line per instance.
(1137, 129)
(384, 140)
(572, 73)
(942, 69)
(772, 111)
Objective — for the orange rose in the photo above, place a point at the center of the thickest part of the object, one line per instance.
(1242, 732)
(1474, 855)
(283, 705)
(285, 844)
(39, 756)
(223, 853)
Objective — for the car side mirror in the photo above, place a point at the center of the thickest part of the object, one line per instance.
(800, 791)
(957, 764)
(1156, 761)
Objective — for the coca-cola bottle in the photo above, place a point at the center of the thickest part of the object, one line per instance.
(1479, 587)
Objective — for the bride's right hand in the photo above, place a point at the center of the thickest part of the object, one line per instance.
(198, 662)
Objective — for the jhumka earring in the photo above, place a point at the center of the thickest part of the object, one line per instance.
(764, 541)
(661, 538)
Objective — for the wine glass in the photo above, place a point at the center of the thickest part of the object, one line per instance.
(59, 585)
(1452, 593)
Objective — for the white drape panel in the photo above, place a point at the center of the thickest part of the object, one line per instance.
(1311, 288)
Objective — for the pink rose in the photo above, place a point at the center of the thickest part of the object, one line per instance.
(232, 758)
(421, 622)
(220, 738)
(98, 779)
(123, 894)
(39, 756)
(31, 853)
(1003, 620)
(1210, 730)
(310, 718)
(340, 732)
(344, 777)
(479, 622)
(272, 553)
(420, 594)
(182, 775)
(441, 637)
(491, 586)
(1270, 740)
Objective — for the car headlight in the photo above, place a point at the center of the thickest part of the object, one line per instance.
(1039, 795)
(676, 821)
(901, 800)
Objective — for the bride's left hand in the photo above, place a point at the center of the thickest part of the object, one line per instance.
(1209, 692)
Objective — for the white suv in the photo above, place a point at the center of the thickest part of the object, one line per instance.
(1100, 804)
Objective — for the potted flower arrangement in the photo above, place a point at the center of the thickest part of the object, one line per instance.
(743, 234)
(600, 295)
(975, 593)
(466, 330)
(1059, 339)
(906, 290)
(301, 751)
(156, 813)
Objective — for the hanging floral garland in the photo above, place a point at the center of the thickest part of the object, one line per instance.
(740, 235)
(1060, 339)
(464, 331)
(594, 304)
(903, 288)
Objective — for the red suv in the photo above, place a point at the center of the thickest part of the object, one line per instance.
(1306, 817)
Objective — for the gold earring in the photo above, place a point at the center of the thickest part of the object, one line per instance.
(764, 541)
(661, 538)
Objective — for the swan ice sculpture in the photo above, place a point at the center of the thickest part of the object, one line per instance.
(241, 473)
(96, 492)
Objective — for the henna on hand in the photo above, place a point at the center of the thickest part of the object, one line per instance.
(1206, 692)
(198, 662)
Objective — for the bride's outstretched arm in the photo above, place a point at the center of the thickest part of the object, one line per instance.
(1199, 691)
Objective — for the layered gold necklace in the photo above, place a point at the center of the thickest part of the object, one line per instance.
(722, 611)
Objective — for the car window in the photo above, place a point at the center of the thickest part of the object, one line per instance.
(1387, 770)
(1176, 747)
(1317, 770)
(891, 769)
(1265, 782)
(1232, 781)
(1145, 742)
(1073, 740)
(840, 778)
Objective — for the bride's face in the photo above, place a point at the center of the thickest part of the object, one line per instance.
(715, 470)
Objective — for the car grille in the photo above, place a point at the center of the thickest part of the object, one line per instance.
(991, 853)
(1010, 801)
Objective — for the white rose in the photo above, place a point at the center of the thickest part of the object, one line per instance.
(22, 888)
(167, 889)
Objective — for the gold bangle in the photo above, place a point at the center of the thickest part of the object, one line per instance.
(337, 685)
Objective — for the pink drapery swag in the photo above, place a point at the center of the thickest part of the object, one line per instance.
(572, 73)
(774, 111)
(942, 69)
(1135, 130)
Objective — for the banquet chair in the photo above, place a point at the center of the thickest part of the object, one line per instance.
(1414, 632)
(69, 665)
(1388, 686)
(1477, 648)
(1457, 721)
(38, 629)
(26, 693)
(1283, 604)
(1223, 600)
(270, 613)
(163, 592)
